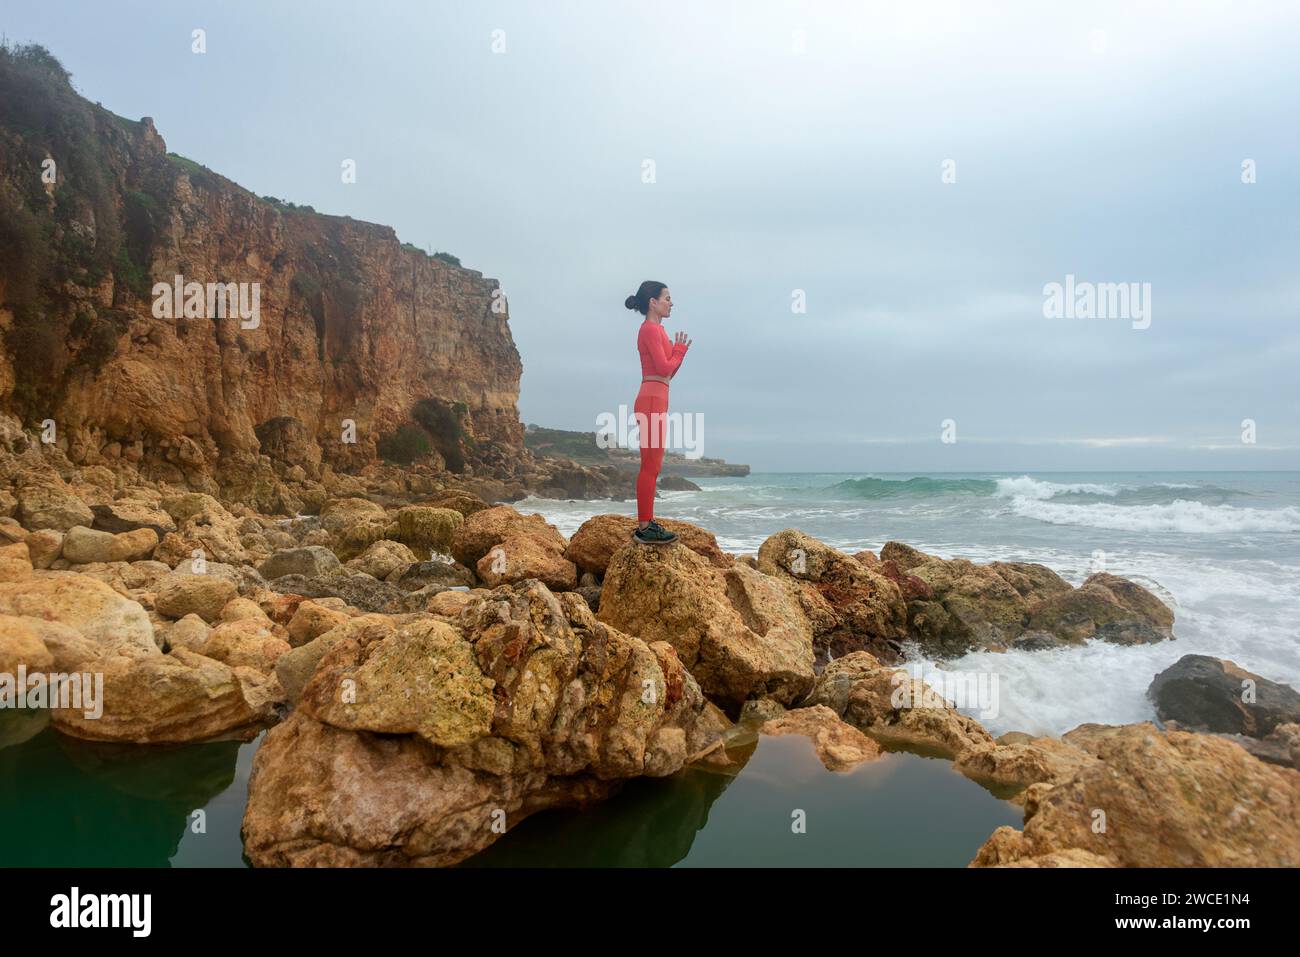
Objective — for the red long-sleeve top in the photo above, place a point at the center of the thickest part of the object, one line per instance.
(659, 354)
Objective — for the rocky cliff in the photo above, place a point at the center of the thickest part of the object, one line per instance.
(350, 343)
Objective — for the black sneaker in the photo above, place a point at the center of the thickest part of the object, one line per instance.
(654, 534)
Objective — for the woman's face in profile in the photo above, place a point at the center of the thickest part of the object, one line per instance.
(663, 306)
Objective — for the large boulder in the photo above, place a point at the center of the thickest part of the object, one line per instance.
(484, 529)
(127, 515)
(425, 529)
(181, 593)
(851, 607)
(521, 556)
(358, 590)
(247, 642)
(1106, 607)
(179, 697)
(310, 561)
(342, 513)
(1166, 799)
(204, 528)
(383, 558)
(312, 619)
(742, 634)
(117, 623)
(1210, 694)
(599, 537)
(446, 574)
(46, 501)
(417, 742)
(462, 502)
(84, 545)
(973, 607)
(1017, 762)
(1018, 605)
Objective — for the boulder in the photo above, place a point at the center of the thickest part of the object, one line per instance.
(383, 558)
(1210, 694)
(1106, 607)
(127, 515)
(116, 623)
(358, 590)
(599, 537)
(482, 530)
(341, 513)
(905, 557)
(247, 642)
(740, 633)
(423, 574)
(451, 734)
(44, 546)
(84, 545)
(203, 525)
(895, 708)
(1019, 761)
(309, 562)
(174, 698)
(1169, 799)
(190, 633)
(180, 594)
(521, 556)
(425, 529)
(48, 502)
(313, 619)
(851, 607)
(462, 502)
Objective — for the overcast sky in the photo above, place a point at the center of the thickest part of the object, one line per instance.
(797, 146)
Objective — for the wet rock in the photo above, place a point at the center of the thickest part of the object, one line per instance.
(1211, 694)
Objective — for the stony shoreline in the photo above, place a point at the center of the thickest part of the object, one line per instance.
(434, 668)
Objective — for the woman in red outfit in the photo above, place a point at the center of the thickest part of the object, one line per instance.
(660, 359)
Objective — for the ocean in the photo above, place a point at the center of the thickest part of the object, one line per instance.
(1221, 548)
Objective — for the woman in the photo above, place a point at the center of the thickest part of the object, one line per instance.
(660, 360)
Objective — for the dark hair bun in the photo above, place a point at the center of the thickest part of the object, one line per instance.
(630, 302)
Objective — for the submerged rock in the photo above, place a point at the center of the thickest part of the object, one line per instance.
(839, 746)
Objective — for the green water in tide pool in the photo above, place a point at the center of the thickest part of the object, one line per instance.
(74, 803)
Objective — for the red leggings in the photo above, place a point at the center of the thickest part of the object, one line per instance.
(651, 409)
